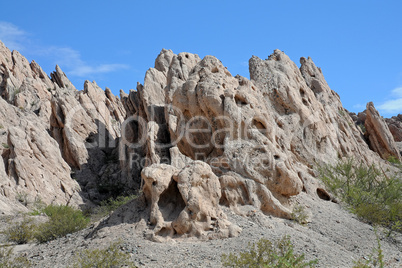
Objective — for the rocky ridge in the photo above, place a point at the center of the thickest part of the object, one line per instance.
(199, 143)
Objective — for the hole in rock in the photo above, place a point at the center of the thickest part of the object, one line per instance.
(164, 232)
(222, 99)
(323, 194)
(170, 202)
(240, 101)
(259, 125)
(302, 92)
(187, 56)
(215, 70)
(276, 157)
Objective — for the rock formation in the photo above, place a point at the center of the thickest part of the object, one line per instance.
(259, 136)
(193, 137)
(378, 134)
(395, 126)
(54, 136)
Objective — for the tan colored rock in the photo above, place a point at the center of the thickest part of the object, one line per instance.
(260, 136)
(185, 202)
(378, 134)
(198, 137)
(33, 167)
(395, 126)
(85, 124)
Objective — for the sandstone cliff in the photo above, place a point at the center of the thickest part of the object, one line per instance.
(193, 138)
(57, 141)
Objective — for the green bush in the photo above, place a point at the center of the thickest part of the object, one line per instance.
(20, 233)
(63, 220)
(393, 160)
(369, 192)
(299, 214)
(111, 204)
(110, 257)
(268, 254)
(8, 261)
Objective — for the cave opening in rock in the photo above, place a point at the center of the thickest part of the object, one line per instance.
(323, 194)
(171, 202)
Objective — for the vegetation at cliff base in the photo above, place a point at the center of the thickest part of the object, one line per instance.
(266, 253)
(7, 260)
(63, 220)
(111, 204)
(20, 232)
(110, 257)
(371, 193)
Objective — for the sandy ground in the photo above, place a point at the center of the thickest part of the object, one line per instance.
(334, 237)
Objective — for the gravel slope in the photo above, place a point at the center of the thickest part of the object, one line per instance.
(334, 236)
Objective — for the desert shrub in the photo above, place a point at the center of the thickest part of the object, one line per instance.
(21, 232)
(22, 198)
(63, 220)
(369, 192)
(7, 260)
(110, 257)
(111, 204)
(299, 214)
(269, 254)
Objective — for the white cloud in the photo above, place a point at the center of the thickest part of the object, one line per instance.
(397, 92)
(70, 60)
(12, 36)
(85, 70)
(359, 106)
(393, 106)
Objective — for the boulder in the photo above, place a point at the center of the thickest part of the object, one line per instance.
(395, 126)
(378, 134)
(185, 202)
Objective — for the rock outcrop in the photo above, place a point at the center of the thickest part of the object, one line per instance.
(58, 143)
(259, 136)
(193, 138)
(378, 134)
(395, 126)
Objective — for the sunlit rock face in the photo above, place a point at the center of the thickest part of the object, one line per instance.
(193, 138)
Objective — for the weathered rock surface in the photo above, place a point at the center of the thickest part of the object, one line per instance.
(395, 126)
(32, 168)
(259, 136)
(194, 137)
(378, 134)
(186, 202)
(54, 135)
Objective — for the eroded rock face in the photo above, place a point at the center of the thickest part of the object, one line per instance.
(259, 137)
(395, 126)
(194, 137)
(186, 202)
(54, 136)
(32, 168)
(378, 134)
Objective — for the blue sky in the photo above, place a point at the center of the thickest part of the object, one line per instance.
(358, 44)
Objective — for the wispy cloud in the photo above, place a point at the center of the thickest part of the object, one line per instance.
(85, 70)
(359, 106)
(67, 58)
(70, 60)
(12, 36)
(394, 105)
